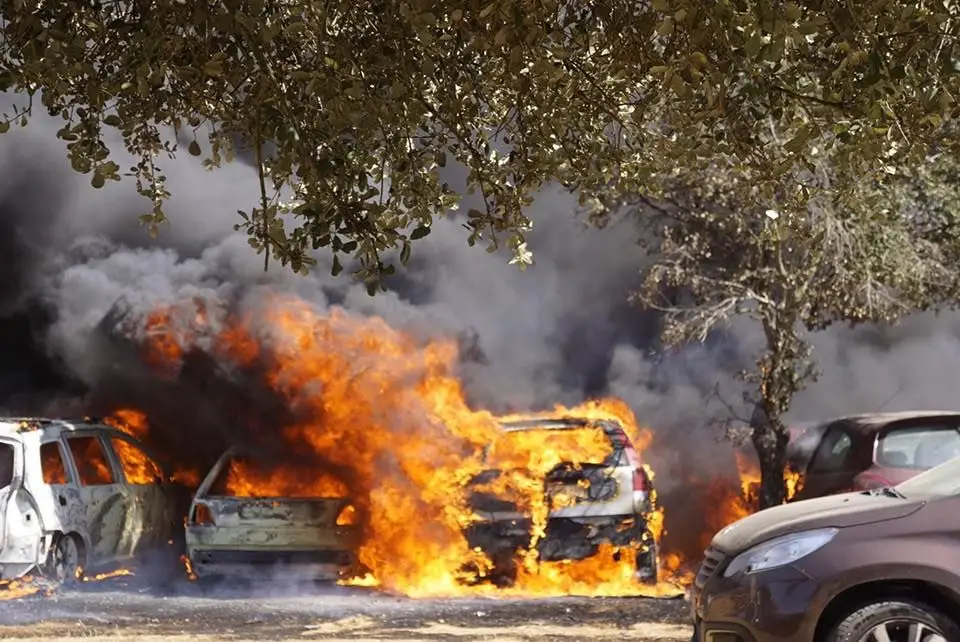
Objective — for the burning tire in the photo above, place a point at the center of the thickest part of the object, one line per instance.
(64, 561)
(648, 564)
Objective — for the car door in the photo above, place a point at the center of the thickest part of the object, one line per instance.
(103, 496)
(843, 452)
(64, 488)
(146, 518)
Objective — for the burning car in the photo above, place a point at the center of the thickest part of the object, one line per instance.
(76, 496)
(250, 515)
(569, 510)
(868, 451)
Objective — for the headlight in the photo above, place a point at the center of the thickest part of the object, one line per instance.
(780, 551)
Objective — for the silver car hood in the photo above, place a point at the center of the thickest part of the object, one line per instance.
(848, 509)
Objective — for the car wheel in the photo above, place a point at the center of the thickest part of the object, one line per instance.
(63, 565)
(648, 563)
(895, 621)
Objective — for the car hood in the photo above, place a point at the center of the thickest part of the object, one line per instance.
(848, 509)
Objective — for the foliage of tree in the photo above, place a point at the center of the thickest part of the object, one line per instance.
(793, 274)
(351, 108)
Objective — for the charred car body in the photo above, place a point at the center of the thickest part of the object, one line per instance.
(243, 535)
(606, 502)
(80, 495)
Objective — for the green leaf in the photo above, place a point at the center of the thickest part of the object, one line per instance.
(112, 120)
(666, 27)
(4, 126)
(98, 180)
(213, 67)
(194, 148)
(337, 267)
(419, 233)
(799, 139)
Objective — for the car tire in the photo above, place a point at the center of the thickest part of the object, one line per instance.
(64, 564)
(857, 626)
(648, 564)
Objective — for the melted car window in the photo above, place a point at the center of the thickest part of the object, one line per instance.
(254, 477)
(91, 461)
(51, 464)
(6, 465)
(137, 467)
(918, 447)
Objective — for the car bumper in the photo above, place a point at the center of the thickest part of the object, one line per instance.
(569, 538)
(265, 564)
(769, 606)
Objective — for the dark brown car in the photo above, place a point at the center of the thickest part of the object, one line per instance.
(873, 566)
(870, 451)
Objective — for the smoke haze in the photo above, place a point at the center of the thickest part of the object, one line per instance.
(556, 333)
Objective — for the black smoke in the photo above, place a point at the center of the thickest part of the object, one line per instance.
(555, 333)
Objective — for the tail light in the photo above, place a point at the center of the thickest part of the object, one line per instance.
(347, 516)
(641, 480)
(203, 516)
(870, 482)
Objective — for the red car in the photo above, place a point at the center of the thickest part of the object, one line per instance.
(869, 451)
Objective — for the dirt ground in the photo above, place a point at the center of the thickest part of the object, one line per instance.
(122, 611)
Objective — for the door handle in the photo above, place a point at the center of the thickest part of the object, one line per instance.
(63, 500)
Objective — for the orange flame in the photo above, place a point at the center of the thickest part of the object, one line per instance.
(389, 412)
(135, 465)
(734, 503)
(23, 587)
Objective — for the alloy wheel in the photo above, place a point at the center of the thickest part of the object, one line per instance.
(903, 630)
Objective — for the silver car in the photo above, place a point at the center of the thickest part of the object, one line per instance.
(79, 496)
(605, 501)
(252, 534)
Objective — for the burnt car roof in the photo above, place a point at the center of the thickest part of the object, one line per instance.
(556, 423)
(10, 425)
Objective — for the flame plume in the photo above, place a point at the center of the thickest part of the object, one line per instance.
(384, 417)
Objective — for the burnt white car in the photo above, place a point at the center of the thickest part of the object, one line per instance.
(250, 533)
(605, 502)
(79, 496)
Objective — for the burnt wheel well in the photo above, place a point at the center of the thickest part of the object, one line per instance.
(81, 546)
(850, 600)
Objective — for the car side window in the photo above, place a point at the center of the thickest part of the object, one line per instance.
(834, 452)
(7, 459)
(91, 461)
(52, 466)
(138, 468)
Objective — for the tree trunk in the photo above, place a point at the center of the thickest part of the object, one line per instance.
(770, 441)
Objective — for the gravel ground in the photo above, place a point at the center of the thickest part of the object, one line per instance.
(119, 609)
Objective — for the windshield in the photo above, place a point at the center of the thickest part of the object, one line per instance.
(941, 481)
(919, 448)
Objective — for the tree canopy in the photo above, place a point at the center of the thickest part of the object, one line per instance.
(795, 273)
(352, 108)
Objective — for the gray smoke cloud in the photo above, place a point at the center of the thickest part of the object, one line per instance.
(557, 333)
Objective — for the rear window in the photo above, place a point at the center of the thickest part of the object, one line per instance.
(246, 476)
(545, 447)
(6, 465)
(919, 448)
